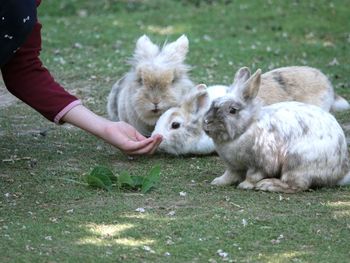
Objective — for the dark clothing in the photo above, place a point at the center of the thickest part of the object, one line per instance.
(24, 75)
(17, 18)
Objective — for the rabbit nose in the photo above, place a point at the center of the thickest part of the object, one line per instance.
(156, 109)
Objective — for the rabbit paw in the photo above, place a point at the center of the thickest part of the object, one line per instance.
(219, 181)
(274, 185)
(246, 185)
(226, 179)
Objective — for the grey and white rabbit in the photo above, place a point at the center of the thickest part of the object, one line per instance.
(285, 147)
(158, 80)
(181, 127)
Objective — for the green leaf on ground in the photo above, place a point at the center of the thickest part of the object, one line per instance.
(151, 180)
(125, 179)
(100, 177)
(138, 180)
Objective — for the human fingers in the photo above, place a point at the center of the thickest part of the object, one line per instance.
(148, 149)
(139, 136)
(133, 146)
(158, 140)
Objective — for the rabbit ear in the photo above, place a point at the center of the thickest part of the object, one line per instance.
(201, 87)
(145, 48)
(177, 50)
(197, 102)
(251, 87)
(241, 76)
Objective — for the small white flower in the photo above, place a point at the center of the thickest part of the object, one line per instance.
(334, 62)
(207, 38)
(244, 222)
(140, 210)
(148, 249)
(183, 193)
(169, 242)
(53, 219)
(29, 248)
(78, 45)
(278, 240)
(171, 213)
(222, 254)
(70, 211)
(167, 254)
(48, 238)
(99, 147)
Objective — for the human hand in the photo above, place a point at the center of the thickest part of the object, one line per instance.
(129, 140)
(119, 134)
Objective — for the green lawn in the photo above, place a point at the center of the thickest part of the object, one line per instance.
(45, 217)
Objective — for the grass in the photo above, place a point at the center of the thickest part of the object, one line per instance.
(44, 217)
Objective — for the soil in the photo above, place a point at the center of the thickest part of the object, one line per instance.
(6, 98)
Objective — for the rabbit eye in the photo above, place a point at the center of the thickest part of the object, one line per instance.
(233, 110)
(139, 80)
(175, 125)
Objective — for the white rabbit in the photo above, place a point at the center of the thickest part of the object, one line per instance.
(181, 127)
(178, 124)
(285, 147)
(157, 81)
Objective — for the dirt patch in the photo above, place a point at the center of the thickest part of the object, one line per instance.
(6, 98)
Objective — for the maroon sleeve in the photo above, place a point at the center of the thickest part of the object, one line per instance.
(27, 79)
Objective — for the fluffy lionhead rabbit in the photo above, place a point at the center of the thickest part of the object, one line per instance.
(285, 147)
(181, 126)
(157, 81)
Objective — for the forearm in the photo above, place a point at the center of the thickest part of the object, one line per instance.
(85, 119)
(118, 134)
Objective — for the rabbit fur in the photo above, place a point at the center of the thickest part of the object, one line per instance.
(303, 84)
(181, 127)
(296, 83)
(158, 80)
(285, 147)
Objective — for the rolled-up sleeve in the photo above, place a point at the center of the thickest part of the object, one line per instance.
(26, 78)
